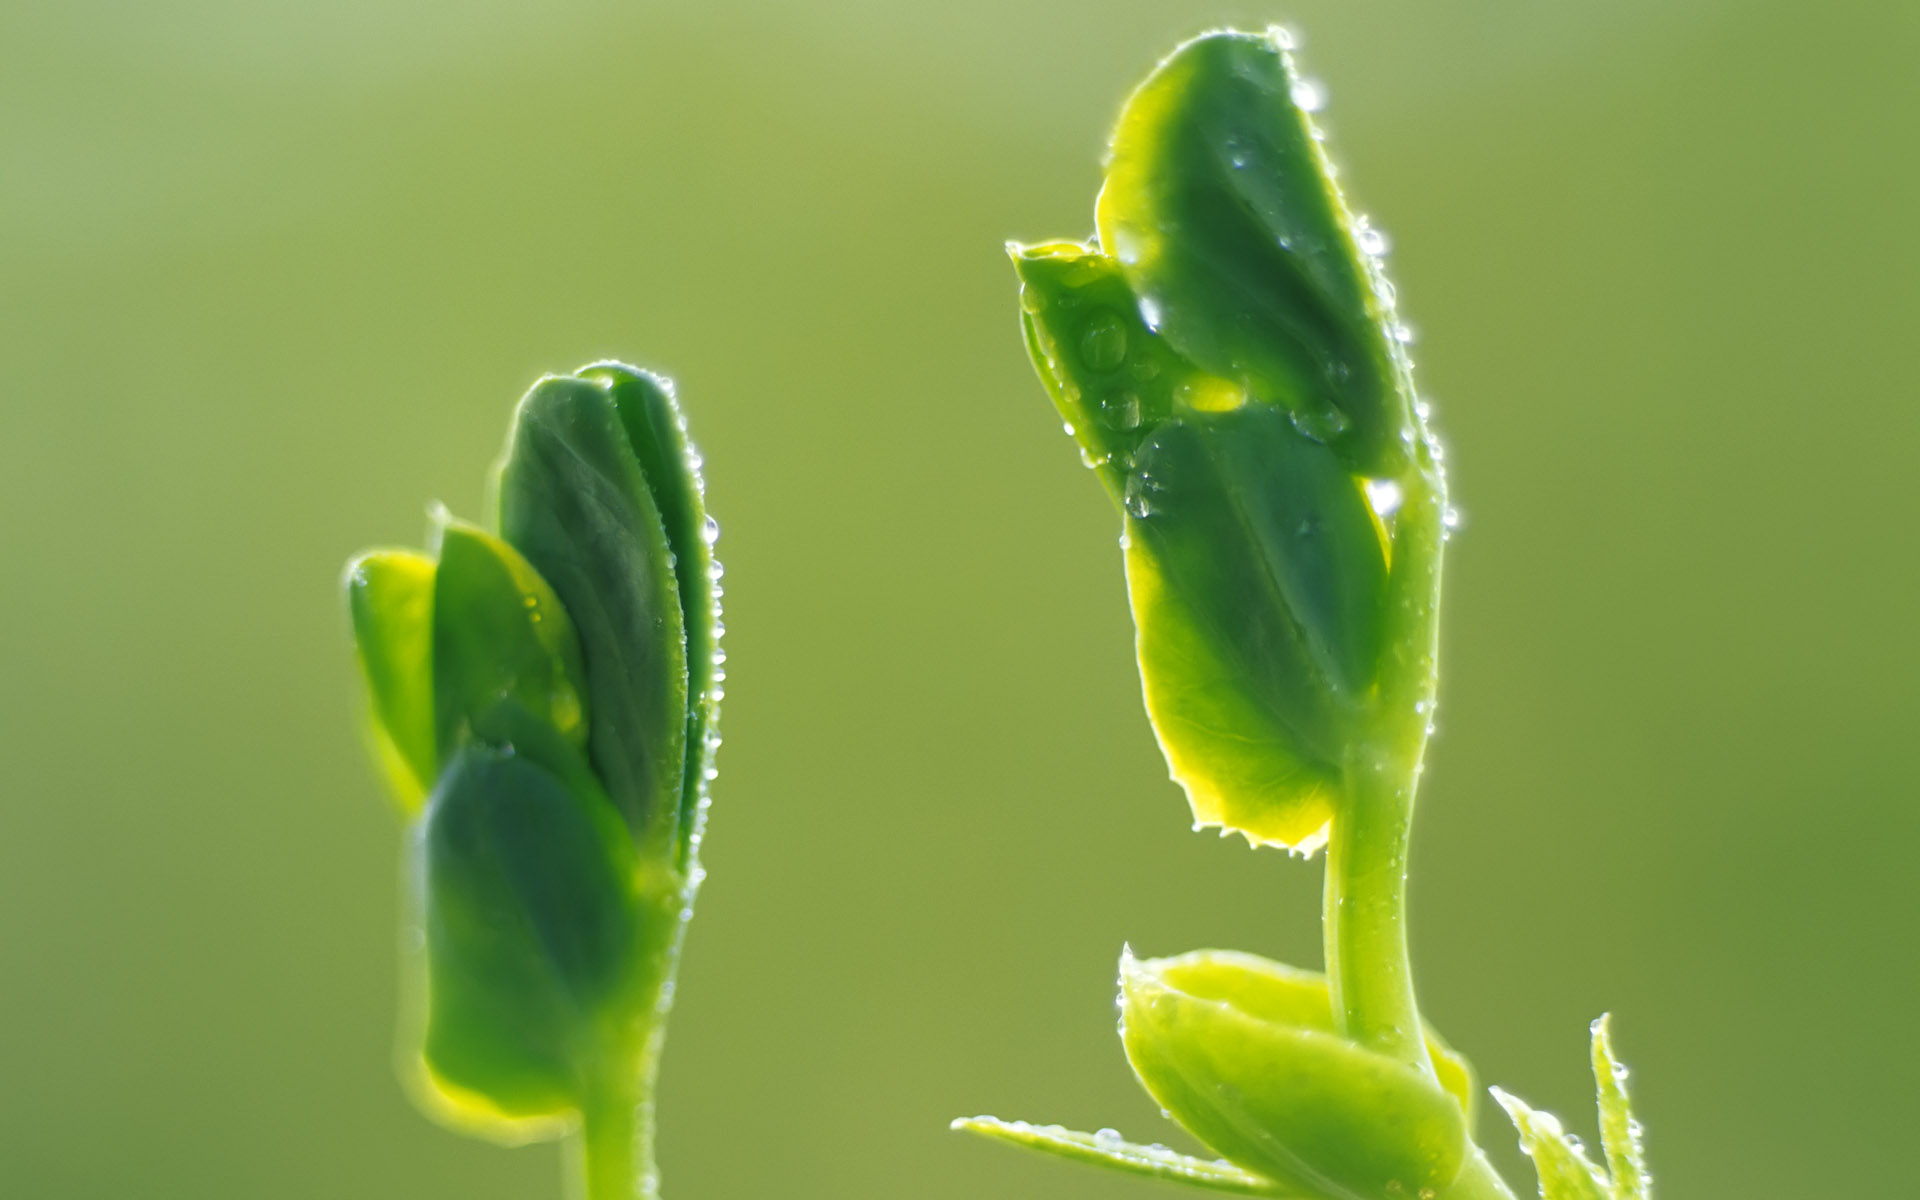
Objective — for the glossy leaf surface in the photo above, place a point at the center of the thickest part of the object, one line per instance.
(1257, 575)
(573, 500)
(531, 941)
(1221, 209)
(1294, 1103)
(390, 602)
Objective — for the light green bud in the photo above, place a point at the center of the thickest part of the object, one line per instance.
(1243, 1053)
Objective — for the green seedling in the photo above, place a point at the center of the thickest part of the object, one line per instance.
(543, 696)
(1227, 353)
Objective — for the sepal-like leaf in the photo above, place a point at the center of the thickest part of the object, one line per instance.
(1107, 1149)
(1619, 1132)
(1564, 1169)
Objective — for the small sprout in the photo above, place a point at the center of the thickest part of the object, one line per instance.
(543, 703)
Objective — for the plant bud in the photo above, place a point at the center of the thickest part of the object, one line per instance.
(543, 702)
(1243, 1053)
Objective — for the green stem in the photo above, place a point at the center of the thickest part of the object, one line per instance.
(612, 1154)
(1366, 894)
(1366, 928)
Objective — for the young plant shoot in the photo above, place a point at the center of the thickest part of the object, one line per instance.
(543, 693)
(1227, 354)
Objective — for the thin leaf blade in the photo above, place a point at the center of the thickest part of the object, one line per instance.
(1107, 1149)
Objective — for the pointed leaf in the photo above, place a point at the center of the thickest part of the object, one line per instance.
(1223, 213)
(1106, 1149)
(657, 431)
(573, 500)
(1619, 1132)
(500, 633)
(390, 600)
(1564, 1170)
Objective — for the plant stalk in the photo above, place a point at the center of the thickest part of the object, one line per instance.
(1368, 967)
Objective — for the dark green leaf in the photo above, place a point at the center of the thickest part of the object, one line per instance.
(658, 433)
(574, 501)
(531, 938)
(1221, 209)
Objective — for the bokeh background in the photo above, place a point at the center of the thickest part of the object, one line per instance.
(273, 273)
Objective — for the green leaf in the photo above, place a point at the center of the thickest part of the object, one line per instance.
(530, 956)
(1217, 1041)
(499, 633)
(1110, 377)
(390, 601)
(1278, 994)
(1563, 1167)
(573, 499)
(657, 431)
(1619, 1132)
(1257, 573)
(1106, 1149)
(1221, 208)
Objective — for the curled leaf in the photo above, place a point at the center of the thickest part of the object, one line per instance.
(1217, 1041)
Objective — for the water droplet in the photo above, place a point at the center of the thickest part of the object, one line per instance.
(1421, 409)
(1104, 345)
(1401, 332)
(1308, 96)
(1068, 426)
(1282, 37)
(1322, 425)
(1372, 241)
(710, 532)
(1107, 1138)
(1140, 491)
(1150, 313)
(1121, 410)
(1450, 518)
(1384, 496)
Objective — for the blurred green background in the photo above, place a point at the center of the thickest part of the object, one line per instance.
(272, 275)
